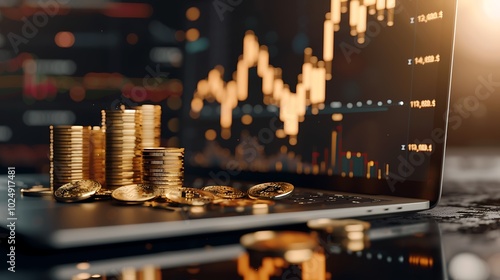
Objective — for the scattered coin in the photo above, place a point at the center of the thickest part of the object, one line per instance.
(134, 193)
(190, 196)
(271, 190)
(224, 191)
(77, 190)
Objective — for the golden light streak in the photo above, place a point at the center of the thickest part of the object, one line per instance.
(318, 84)
(250, 49)
(268, 80)
(333, 159)
(380, 8)
(336, 13)
(242, 80)
(354, 16)
(263, 61)
(343, 4)
(306, 75)
(391, 5)
(328, 43)
(361, 28)
(301, 100)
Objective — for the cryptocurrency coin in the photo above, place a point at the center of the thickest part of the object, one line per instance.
(77, 190)
(134, 193)
(271, 190)
(224, 191)
(294, 246)
(190, 196)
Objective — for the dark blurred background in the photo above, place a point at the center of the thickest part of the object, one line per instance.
(63, 61)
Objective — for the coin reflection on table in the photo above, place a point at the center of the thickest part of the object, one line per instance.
(348, 234)
(273, 253)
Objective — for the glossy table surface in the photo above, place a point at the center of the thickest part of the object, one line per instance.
(459, 239)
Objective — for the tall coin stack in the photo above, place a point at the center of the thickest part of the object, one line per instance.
(123, 147)
(163, 168)
(151, 125)
(69, 154)
(97, 155)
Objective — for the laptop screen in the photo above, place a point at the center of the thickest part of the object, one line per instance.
(332, 94)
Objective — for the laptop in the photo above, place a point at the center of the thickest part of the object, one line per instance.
(349, 107)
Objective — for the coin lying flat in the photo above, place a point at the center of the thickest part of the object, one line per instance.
(224, 191)
(339, 227)
(134, 193)
(77, 190)
(190, 196)
(37, 191)
(271, 190)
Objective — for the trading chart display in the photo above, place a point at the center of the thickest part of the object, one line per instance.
(352, 92)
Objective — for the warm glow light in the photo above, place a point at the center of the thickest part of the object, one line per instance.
(77, 93)
(246, 119)
(64, 39)
(193, 14)
(210, 135)
(192, 34)
(492, 9)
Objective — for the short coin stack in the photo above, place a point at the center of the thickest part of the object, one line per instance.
(151, 125)
(97, 155)
(69, 154)
(123, 147)
(163, 168)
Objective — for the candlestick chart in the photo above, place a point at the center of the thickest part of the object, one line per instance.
(353, 82)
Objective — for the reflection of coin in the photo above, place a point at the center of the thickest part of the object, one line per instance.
(37, 190)
(339, 227)
(271, 190)
(293, 246)
(190, 196)
(77, 190)
(224, 191)
(102, 194)
(134, 193)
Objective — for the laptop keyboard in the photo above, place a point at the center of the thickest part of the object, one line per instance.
(312, 197)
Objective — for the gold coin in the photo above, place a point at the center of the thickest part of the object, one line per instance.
(271, 190)
(224, 191)
(77, 190)
(190, 196)
(134, 193)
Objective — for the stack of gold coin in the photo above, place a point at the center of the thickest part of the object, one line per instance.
(151, 125)
(69, 154)
(97, 155)
(163, 168)
(123, 147)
